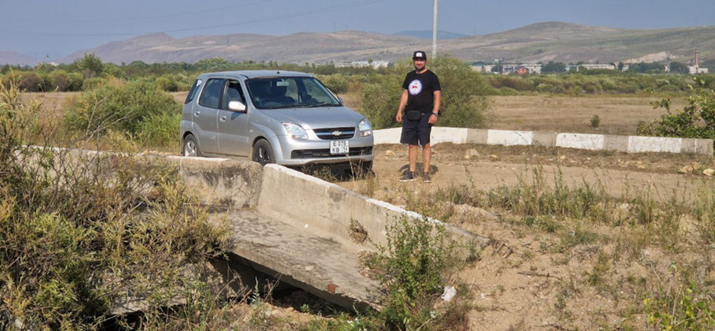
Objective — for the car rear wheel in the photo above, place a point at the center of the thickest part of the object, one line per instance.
(262, 152)
(190, 147)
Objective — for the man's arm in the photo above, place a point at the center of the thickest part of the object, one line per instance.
(435, 109)
(403, 103)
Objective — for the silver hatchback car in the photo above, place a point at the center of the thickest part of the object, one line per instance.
(283, 117)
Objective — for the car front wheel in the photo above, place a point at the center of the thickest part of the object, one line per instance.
(263, 153)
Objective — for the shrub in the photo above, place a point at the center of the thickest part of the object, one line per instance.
(413, 269)
(59, 81)
(160, 129)
(80, 234)
(380, 99)
(595, 121)
(167, 83)
(337, 83)
(32, 82)
(93, 83)
(124, 108)
(463, 95)
(696, 120)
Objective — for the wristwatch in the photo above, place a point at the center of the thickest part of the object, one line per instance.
(435, 114)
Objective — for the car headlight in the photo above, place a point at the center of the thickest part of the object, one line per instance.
(295, 131)
(365, 128)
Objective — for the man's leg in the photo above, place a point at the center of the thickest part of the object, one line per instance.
(413, 157)
(426, 157)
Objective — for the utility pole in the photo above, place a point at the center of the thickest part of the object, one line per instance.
(434, 31)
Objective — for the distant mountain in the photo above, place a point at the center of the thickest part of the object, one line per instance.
(16, 58)
(541, 42)
(427, 34)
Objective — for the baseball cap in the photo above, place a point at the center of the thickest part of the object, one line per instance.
(419, 55)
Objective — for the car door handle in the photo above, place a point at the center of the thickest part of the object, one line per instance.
(223, 118)
(197, 113)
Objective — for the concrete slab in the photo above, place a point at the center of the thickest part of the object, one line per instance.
(638, 144)
(221, 182)
(477, 136)
(580, 141)
(697, 146)
(510, 138)
(615, 143)
(448, 135)
(546, 139)
(387, 136)
(302, 257)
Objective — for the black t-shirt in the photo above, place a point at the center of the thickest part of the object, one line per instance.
(420, 90)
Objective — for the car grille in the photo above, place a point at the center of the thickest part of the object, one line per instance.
(335, 133)
(325, 153)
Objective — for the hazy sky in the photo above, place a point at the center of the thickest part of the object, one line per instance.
(56, 28)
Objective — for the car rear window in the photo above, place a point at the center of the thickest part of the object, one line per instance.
(192, 93)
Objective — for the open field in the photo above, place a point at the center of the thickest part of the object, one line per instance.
(553, 270)
(583, 240)
(619, 115)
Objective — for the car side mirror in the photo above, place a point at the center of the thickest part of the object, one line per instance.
(236, 106)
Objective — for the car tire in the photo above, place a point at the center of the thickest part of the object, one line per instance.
(263, 153)
(190, 147)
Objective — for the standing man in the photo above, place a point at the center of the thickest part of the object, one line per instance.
(420, 102)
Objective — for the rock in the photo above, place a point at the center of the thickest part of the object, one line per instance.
(685, 170)
(696, 166)
(562, 158)
(640, 165)
(709, 172)
(494, 157)
(470, 153)
(389, 153)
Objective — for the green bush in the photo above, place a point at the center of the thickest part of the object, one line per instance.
(32, 82)
(160, 130)
(696, 120)
(463, 95)
(167, 83)
(123, 109)
(94, 83)
(414, 267)
(78, 235)
(337, 83)
(380, 99)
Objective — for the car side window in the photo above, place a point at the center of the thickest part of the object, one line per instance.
(233, 93)
(212, 93)
(192, 93)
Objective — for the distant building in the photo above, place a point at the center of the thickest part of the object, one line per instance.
(591, 66)
(695, 68)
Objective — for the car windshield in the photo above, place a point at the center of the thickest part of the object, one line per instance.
(290, 92)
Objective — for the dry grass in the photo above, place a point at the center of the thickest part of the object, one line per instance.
(618, 114)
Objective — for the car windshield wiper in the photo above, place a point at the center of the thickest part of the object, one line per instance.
(286, 106)
(321, 105)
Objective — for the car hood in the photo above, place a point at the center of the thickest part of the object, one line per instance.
(317, 118)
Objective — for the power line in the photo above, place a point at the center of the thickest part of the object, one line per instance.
(262, 20)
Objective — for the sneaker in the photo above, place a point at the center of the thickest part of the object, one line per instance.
(426, 178)
(407, 176)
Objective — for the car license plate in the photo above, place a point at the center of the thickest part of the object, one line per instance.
(339, 147)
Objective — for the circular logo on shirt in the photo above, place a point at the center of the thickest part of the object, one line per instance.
(415, 87)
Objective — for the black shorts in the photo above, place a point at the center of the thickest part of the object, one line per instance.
(416, 132)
